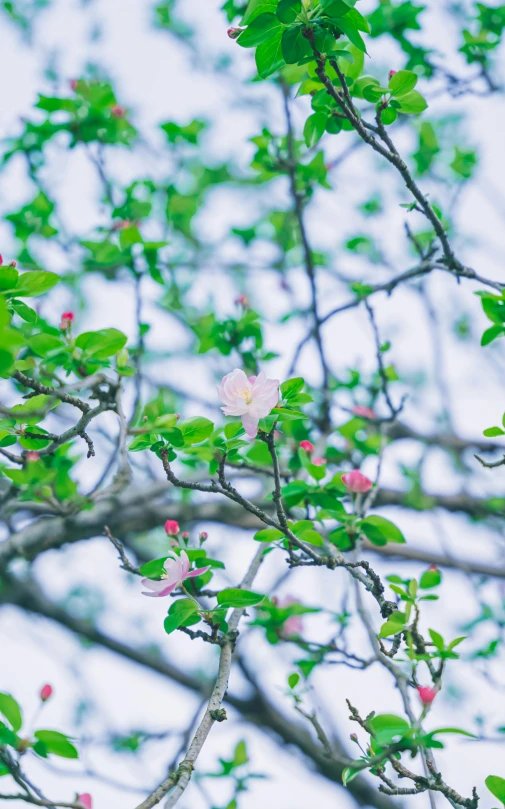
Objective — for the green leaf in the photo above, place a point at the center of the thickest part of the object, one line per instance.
(294, 45)
(351, 32)
(269, 56)
(8, 278)
(314, 128)
(437, 639)
(288, 10)
(293, 679)
(492, 334)
(259, 30)
(57, 743)
(37, 282)
(395, 623)
(412, 103)
(312, 538)
(381, 531)
(179, 612)
(496, 786)
(236, 597)
(196, 430)
(268, 535)
(153, 569)
(336, 8)
(387, 727)
(349, 773)
(101, 344)
(11, 710)
(493, 432)
(257, 7)
(430, 578)
(402, 82)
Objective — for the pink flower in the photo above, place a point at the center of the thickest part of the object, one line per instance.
(177, 571)
(308, 446)
(233, 33)
(32, 456)
(391, 73)
(46, 692)
(357, 482)
(250, 398)
(1, 259)
(362, 410)
(294, 624)
(118, 112)
(426, 694)
(86, 800)
(172, 528)
(318, 461)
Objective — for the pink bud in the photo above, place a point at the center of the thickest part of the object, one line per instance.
(73, 85)
(67, 319)
(118, 112)
(46, 692)
(203, 536)
(353, 737)
(86, 800)
(357, 482)
(433, 568)
(391, 73)
(1, 260)
(13, 263)
(426, 694)
(318, 461)
(242, 300)
(308, 446)
(185, 534)
(32, 456)
(362, 410)
(233, 33)
(172, 528)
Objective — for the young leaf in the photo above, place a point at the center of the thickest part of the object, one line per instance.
(179, 612)
(402, 82)
(236, 597)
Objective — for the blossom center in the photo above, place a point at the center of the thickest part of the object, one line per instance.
(246, 395)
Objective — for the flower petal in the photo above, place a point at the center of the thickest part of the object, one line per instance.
(197, 572)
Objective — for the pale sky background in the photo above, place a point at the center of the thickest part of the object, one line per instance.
(154, 76)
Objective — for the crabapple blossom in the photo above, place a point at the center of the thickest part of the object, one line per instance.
(86, 800)
(46, 692)
(172, 528)
(318, 461)
(308, 446)
(67, 319)
(177, 571)
(426, 694)
(363, 410)
(294, 624)
(252, 398)
(32, 456)
(234, 32)
(357, 482)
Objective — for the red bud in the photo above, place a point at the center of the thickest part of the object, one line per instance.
(233, 33)
(392, 73)
(46, 692)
